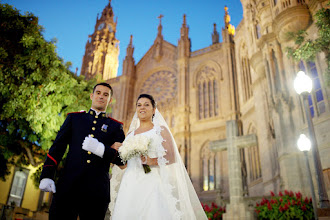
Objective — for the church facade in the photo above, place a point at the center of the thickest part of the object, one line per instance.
(246, 78)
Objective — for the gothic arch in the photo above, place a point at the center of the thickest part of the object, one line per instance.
(209, 162)
(209, 66)
(251, 129)
(207, 90)
(253, 157)
(245, 78)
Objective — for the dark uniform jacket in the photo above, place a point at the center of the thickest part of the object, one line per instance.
(84, 173)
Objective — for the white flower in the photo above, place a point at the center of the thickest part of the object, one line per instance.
(134, 146)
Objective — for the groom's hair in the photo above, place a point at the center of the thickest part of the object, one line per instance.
(152, 100)
(104, 84)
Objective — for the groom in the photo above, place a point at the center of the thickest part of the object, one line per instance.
(83, 188)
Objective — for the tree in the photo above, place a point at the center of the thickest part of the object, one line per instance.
(306, 48)
(37, 90)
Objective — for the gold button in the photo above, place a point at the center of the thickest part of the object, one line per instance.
(93, 128)
(92, 135)
(94, 122)
(89, 152)
(88, 161)
(96, 116)
(91, 112)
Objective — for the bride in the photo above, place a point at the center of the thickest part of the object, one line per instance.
(166, 192)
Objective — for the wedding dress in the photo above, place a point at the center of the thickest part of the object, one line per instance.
(165, 193)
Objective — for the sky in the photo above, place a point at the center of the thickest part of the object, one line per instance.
(71, 21)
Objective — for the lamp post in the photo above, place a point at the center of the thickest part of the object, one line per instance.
(303, 86)
(304, 144)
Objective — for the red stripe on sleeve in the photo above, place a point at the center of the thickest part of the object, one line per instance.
(52, 159)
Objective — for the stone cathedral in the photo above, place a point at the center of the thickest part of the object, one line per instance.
(246, 79)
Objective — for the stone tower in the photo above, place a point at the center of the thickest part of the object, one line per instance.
(102, 48)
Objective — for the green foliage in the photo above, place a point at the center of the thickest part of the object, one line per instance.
(37, 90)
(288, 206)
(36, 176)
(306, 49)
(214, 212)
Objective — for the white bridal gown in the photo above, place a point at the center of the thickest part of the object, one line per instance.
(144, 196)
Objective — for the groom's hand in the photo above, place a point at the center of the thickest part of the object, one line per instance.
(116, 145)
(94, 146)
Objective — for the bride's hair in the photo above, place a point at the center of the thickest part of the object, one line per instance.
(152, 100)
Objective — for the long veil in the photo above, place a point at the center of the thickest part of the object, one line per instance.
(173, 173)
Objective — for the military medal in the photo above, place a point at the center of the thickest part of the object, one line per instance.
(104, 128)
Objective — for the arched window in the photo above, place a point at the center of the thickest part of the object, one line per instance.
(211, 101)
(254, 163)
(315, 99)
(254, 160)
(208, 168)
(205, 98)
(215, 94)
(246, 80)
(200, 101)
(207, 93)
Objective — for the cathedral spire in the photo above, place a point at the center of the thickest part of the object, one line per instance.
(107, 13)
(215, 34)
(160, 27)
(130, 48)
(102, 47)
(129, 63)
(184, 28)
(184, 41)
(158, 44)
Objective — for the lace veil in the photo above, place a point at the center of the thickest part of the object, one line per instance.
(172, 172)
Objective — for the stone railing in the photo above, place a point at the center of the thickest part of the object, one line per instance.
(206, 49)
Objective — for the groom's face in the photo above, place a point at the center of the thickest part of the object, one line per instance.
(101, 97)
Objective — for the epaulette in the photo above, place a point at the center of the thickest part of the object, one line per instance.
(116, 120)
(82, 111)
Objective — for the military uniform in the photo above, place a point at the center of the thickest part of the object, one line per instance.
(83, 187)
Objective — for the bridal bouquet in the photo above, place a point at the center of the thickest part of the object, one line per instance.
(133, 147)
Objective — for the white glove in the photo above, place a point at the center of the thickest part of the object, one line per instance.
(94, 146)
(47, 185)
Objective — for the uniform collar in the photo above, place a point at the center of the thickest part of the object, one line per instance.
(97, 113)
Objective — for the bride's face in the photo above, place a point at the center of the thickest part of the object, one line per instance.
(144, 109)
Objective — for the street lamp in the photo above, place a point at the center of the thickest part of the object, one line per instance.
(303, 86)
(304, 144)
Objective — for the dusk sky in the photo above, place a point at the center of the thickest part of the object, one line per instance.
(71, 21)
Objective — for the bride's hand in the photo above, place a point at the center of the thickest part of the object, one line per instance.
(144, 159)
(149, 161)
(116, 145)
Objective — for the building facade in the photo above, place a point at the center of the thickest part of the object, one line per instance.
(247, 77)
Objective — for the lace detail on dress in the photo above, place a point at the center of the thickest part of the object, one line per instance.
(116, 177)
(162, 163)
